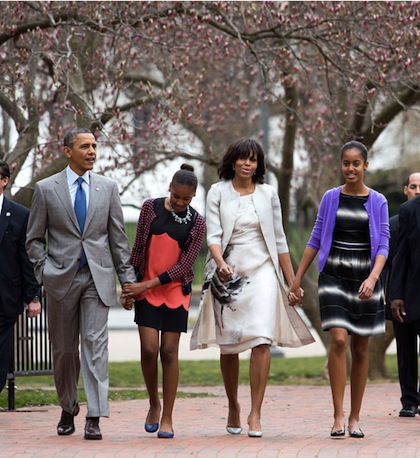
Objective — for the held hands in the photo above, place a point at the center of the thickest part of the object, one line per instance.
(127, 301)
(129, 292)
(134, 289)
(295, 295)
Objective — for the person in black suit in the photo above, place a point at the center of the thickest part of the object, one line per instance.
(18, 285)
(404, 295)
(405, 333)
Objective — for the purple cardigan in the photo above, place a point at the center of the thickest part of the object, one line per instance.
(322, 233)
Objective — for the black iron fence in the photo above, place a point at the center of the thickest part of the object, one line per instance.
(32, 350)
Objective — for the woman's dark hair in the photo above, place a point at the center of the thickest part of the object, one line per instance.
(354, 144)
(186, 176)
(242, 149)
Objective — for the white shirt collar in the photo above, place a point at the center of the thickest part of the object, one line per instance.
(72, 176)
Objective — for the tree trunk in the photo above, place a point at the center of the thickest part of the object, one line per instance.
(287, 164)
(24, 195)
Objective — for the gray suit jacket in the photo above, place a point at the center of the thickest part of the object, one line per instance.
(54, 242)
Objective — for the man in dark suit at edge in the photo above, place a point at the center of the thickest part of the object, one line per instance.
(404, 291)
(18, 285)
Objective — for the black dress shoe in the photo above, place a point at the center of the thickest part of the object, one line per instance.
(92, 430)
(408, 411)
(65, 426)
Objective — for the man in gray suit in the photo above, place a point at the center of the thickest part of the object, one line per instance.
(75, 239)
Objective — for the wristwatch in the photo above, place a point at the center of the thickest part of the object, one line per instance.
(36, 299)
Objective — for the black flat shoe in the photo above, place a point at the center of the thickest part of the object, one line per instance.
(338, 433)
(356, 434)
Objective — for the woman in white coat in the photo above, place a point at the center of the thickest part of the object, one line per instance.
(244, 302)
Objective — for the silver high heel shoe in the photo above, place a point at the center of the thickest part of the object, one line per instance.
(233, 430)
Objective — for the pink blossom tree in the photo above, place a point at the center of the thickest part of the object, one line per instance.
(137, 72)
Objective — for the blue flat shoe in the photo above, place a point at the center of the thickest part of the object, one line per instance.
(165, 435)
(151, 427)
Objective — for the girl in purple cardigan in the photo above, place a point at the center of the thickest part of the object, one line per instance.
(351, 235)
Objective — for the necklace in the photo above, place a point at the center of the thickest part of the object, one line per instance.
(177, 218)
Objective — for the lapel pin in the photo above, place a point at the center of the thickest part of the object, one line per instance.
(8, 213)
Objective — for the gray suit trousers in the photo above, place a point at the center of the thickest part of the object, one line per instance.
(82, 314)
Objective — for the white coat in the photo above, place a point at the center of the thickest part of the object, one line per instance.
(221, 213)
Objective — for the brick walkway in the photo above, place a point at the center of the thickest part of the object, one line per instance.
(296, 423)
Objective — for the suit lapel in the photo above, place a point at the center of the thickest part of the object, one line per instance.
(63, 193)
(4, 218)
(94, 197)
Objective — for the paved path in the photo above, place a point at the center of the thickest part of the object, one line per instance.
(296, 423)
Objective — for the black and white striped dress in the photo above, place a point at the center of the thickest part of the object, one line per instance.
(347, 266)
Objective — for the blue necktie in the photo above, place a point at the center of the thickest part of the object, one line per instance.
(80, 210)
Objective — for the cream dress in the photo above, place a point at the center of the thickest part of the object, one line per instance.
(251, 309)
